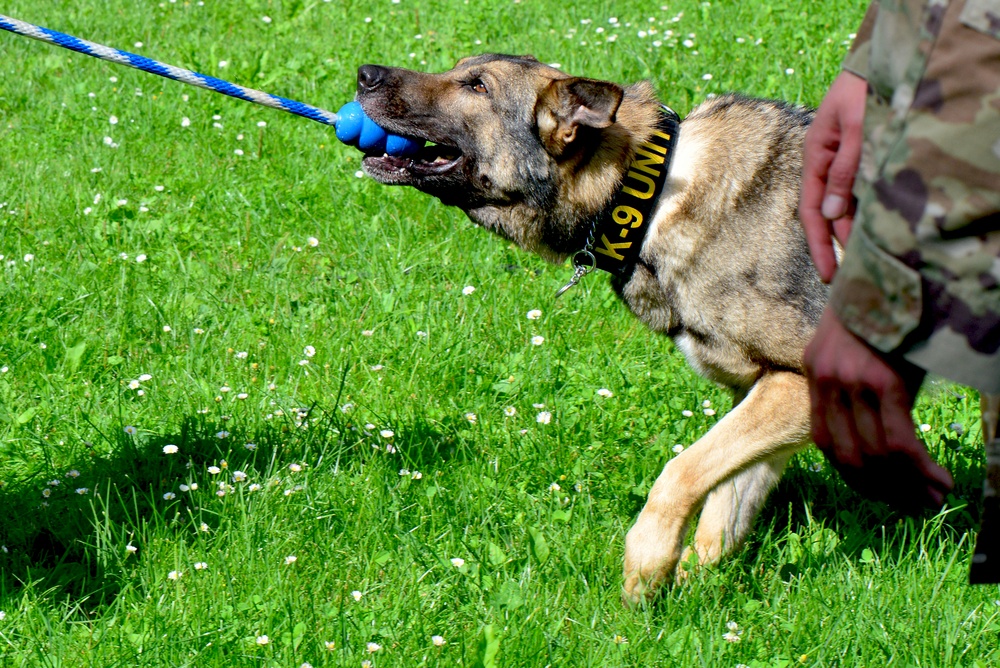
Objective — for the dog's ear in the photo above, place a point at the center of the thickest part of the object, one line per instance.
(568, 104)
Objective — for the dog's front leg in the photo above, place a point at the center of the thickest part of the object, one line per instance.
(770, 424)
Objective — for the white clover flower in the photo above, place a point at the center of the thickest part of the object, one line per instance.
(468, 290)
(238, 151)
(534, 314)
(200, 566)
(605, 392)
(377, 367)
(620, 640)
(471, 417)
(373, 647)
(303, 362)
(184, 488)
(312, 241)
(687, 413)
(457, 562)
(170, 449)
(73, 474)
(166, 329)
(174, 575)
(222, 434)
(263, 640)
(198, 330)
(145, 378)
(261, 124)
(185, 122)
(242, 355)
(253, 487)
(133, 385)
(366, 332)
(131, 549)
(510, 411)
(309, 351)
(417, 475)
(250, 446)
(239, 476)
(544, 417)
(295, 468)
(214, 470)
(537, 340)
(113, 120)
(554, 487)
(290, 559)
(265, 19)
(706, 77)
(709, 412)
(385, 433)
(203, 527)
(46, 492)
(678, 449)
(421, 335)
(356, 594)
(925, 428)
(169, 496)
(131, 431)
(438, 641)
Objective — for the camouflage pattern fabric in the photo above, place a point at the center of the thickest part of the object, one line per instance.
(921, 272)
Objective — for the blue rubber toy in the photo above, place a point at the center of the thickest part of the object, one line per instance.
(356, 129)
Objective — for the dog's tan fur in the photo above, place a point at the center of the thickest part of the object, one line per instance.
(725, 269)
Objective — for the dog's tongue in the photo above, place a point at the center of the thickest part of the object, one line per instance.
(356, 129)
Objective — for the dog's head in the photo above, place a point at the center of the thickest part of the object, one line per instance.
(524, 149)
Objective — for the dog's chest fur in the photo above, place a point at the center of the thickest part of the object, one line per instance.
(725, 269)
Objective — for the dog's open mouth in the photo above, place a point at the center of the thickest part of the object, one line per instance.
(433, 160)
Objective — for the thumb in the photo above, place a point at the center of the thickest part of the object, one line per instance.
(840, 178)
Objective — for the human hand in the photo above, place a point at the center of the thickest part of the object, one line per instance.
(861, 419)
(832, 152)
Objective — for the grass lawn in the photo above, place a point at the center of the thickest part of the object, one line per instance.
(373, 462)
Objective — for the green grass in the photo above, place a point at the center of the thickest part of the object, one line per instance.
(827, 580)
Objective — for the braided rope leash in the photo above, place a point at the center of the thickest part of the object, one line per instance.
(353, 126)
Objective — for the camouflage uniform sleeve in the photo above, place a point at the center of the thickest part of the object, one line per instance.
(921, 271)
(856, 61)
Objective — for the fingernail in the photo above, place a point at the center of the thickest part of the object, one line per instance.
(834, 206)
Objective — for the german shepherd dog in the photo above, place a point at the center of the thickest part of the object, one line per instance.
(535, 155)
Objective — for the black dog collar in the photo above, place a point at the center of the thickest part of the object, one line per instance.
(616, 237)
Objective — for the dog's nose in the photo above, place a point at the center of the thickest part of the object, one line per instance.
(370, 77)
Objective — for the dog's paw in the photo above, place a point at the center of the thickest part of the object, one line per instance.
(650, 561)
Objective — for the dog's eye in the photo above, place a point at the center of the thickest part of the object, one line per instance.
(478, 86)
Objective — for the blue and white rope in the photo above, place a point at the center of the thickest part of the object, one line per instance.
(168, 71)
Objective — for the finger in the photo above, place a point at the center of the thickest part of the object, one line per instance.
(842, 169)
(817, 228)
(867, 423)
(846, 446)
(818, 154)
